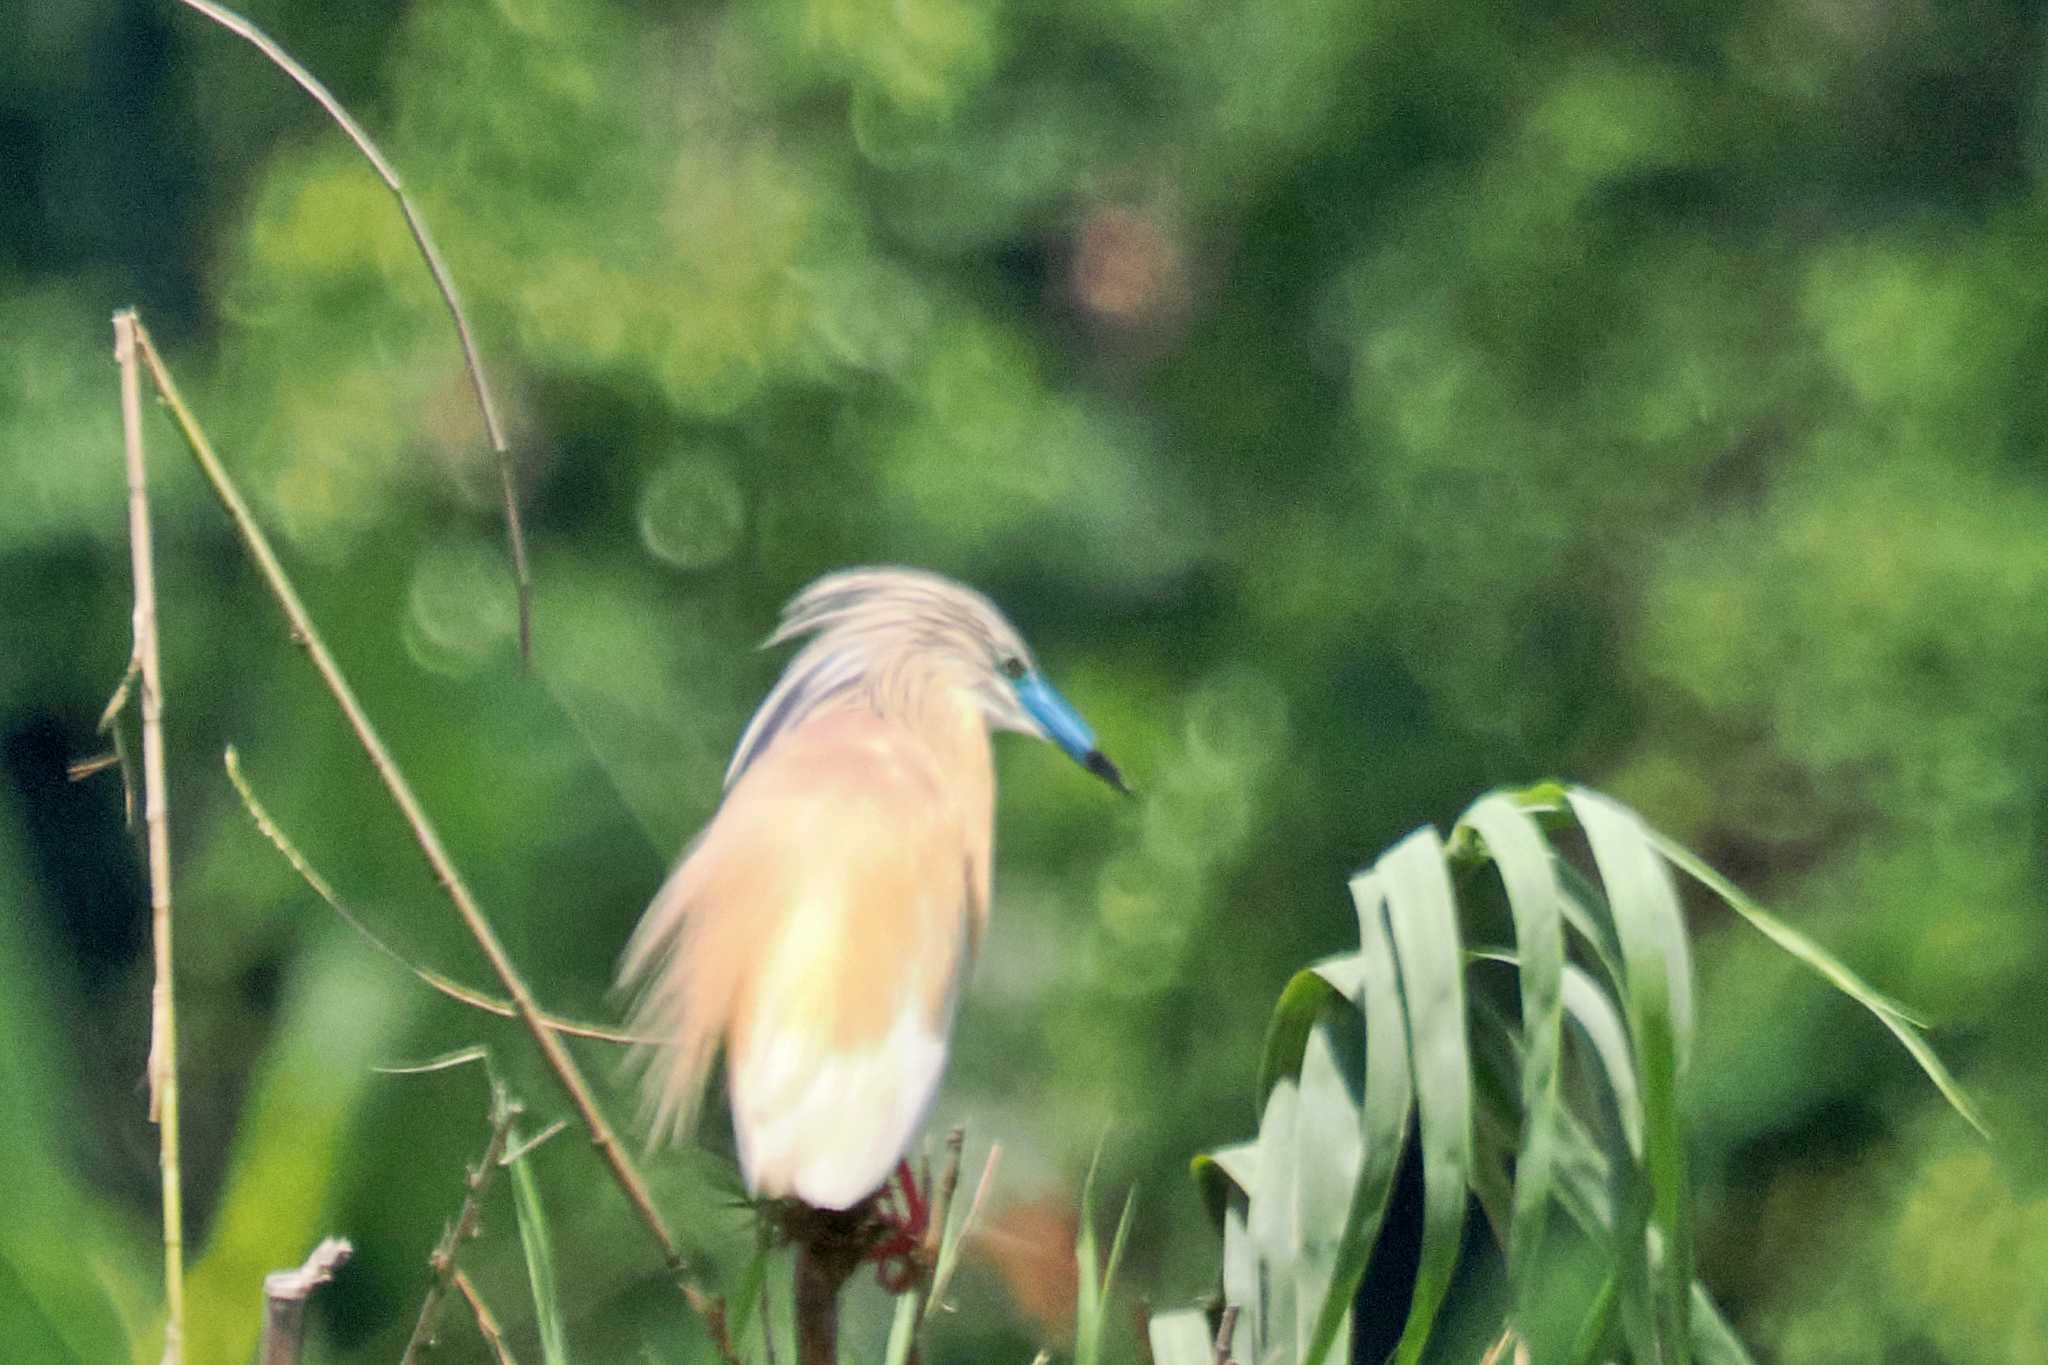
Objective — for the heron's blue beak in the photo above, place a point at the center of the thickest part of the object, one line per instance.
(1063, 726)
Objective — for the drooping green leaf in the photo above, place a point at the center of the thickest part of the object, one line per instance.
(1657, 1002)
(1294, 1015)
(1528, 872)
(1894, 1016)
(1422, 916)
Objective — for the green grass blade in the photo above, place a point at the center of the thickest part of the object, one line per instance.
(1598, 1022)
(1528, 873)
(1423, 918)
(1329, 1149)
(1594, 1328)
(1097, 1278)
(1658, 1006)
(902, 1329)
(1713, 1341)
(1894, 1016)
(1180, 1338)
(1088, 1304)
(537, 1241)
(1116, 1253)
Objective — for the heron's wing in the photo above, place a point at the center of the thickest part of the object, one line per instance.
(820, 925)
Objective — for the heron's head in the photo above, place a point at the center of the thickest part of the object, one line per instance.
(901, 633)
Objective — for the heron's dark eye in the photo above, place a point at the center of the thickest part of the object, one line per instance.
(1013, 668)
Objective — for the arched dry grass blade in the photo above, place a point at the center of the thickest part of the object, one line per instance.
(486, 1321)
(446, 985)
(515, 531)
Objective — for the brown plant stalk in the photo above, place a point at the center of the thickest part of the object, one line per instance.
(486, 1322)
(163, 1034)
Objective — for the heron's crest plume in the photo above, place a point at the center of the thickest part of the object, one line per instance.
(885, 632)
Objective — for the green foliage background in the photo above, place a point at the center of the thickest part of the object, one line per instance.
(1358, 404)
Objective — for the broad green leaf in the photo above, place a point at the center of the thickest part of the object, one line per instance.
(1528, 872)
(1894, 1016)
(1658, 1006)
(1383, 1122)
(537, 1241)
(1329, 1147)
(1423, 918)
(1180, 1338)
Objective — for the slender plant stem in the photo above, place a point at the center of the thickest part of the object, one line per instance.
(448, 986)
(284, 1301)
(444, 281)
(163, 1031)
(551, 1047)
(504, 1112)
(486, 1323)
